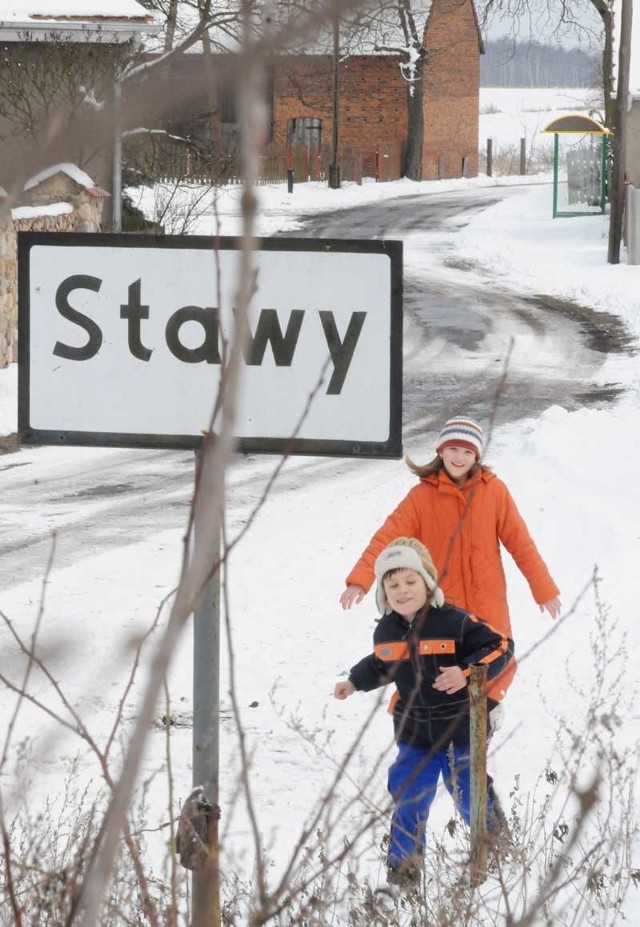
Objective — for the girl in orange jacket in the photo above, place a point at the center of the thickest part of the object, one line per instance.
(462, 512)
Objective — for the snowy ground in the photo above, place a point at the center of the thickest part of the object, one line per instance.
(567, 471)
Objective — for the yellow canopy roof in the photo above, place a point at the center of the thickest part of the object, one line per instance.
(576, 122)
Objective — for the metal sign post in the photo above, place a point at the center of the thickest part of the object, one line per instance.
(206, 741)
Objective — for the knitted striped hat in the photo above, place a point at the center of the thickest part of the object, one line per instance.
(462, 432)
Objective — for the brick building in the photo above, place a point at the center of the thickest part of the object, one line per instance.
(373, 95)
(373, 99)
(452, 89)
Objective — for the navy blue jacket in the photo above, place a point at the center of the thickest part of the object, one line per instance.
(410, 656)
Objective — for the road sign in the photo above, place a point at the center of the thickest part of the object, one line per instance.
(122, 342)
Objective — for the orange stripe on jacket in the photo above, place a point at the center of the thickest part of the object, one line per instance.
(392, 652)
(497, 687)
(437, 646)
(504, 641)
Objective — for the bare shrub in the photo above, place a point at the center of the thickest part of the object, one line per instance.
(489, 109)
(48, 846)
(506, 159)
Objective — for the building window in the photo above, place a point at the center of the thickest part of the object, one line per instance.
(304, 132)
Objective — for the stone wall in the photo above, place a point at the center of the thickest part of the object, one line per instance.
(84, 214)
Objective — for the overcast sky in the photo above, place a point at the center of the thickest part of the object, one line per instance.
(541, 23)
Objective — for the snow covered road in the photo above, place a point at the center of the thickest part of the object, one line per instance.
(460, 326)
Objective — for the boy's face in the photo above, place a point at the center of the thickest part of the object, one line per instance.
(406, 592)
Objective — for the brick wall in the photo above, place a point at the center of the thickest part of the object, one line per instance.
(372, 98)
(451, 98)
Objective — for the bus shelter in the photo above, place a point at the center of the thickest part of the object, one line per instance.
(579, 165)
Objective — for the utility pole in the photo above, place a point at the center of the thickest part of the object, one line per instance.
(334, 168)
(617, 191)
(116, 157)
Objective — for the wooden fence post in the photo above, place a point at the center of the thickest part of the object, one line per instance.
(478, 773)
(489, 157)
(289, 171)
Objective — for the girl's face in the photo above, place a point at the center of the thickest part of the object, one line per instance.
(457, 462)
(406, 592)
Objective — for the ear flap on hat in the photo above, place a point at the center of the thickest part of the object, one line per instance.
(381, 599)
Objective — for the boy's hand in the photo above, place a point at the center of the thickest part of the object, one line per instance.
(450, 680)
(344, 690)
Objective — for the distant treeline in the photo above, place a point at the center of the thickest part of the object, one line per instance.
(527, 64)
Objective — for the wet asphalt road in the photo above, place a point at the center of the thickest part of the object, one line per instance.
(459, 329)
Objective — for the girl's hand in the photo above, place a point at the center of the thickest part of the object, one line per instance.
(450, 680)
(553, 606)
(343, 690)
(351, 596)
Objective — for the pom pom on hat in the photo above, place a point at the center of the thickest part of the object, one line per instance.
(407, 554)
(462, 432)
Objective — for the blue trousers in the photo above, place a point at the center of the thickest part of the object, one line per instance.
(413, 779)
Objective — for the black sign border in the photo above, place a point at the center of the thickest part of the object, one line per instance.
(391, 448)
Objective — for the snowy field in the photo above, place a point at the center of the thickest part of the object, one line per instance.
(507, 115)
(573, 707)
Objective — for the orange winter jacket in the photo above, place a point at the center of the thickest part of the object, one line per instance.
(463, 528)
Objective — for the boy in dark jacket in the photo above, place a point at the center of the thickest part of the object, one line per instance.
(426, 648)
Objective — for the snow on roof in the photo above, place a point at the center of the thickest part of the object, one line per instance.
(30, 212)
(109, 21)
(104, 10)
(71, 170)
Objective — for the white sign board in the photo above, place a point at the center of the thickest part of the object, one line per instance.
(122, 340)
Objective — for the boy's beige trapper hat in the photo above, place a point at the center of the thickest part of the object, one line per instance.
(407, 554)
